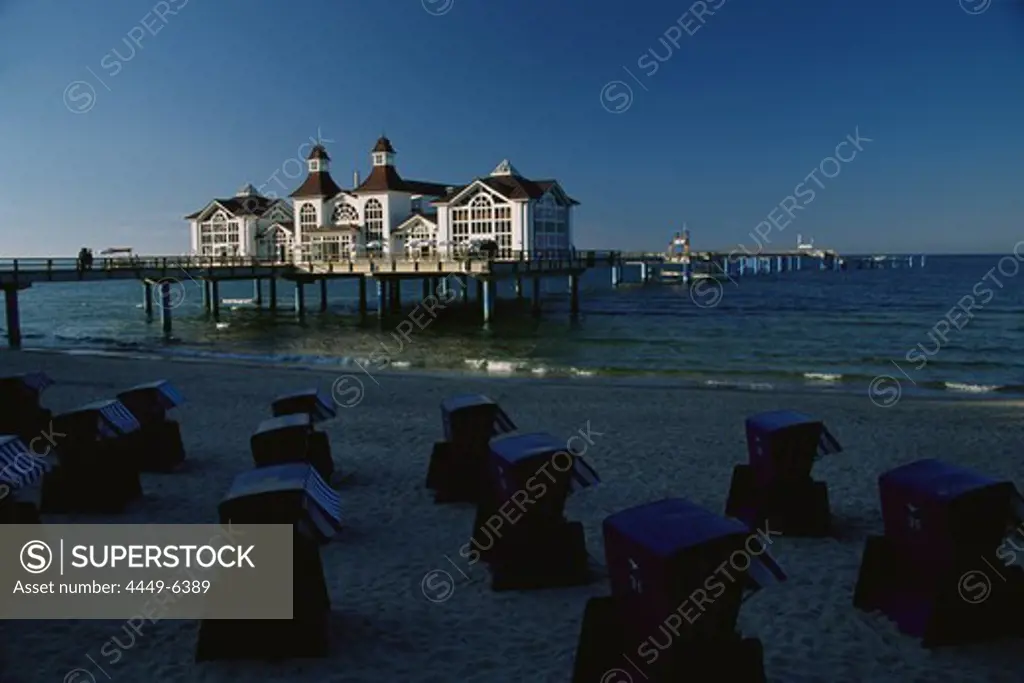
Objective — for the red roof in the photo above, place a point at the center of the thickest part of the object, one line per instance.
(317, 184)
(386, 179)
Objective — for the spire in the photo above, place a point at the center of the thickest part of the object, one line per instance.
(383, 153)
(505, 168)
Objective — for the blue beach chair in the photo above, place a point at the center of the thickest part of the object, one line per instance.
(679, 574)
(458, 464)
(162, 449)
(937, 571)
(776, 485)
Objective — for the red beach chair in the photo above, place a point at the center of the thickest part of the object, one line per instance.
(458, 465)
(669, 610)
(776, 485)
(160, 437)
(938, 570)
(281, 494)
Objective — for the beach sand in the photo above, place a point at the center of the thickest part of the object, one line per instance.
(648, 442)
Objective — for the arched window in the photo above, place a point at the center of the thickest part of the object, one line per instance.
(481, 213)
(345, 213)
(374, 214)
(307, 217)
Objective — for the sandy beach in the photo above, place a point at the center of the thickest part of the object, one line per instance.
(647, 442)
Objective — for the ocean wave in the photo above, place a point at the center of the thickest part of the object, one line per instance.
(972, 388)
(823, 376)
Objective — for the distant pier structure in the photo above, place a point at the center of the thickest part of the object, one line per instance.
(680, 264)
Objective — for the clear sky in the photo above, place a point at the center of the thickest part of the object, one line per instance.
(741, 108)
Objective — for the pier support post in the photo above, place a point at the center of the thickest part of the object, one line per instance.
(323, 294)
(519, 287)
(426, 287)
(165, 306)
(480, 290)
(273, 293)
(396, 295)
(616, 275)
(13, 317)
(486, 289)
(206, 296)
(464, 281)
(382, 292)
(300, 298)
(214, 296)
(574, 295)
(536, 296)
(362, 296)
(257, 292)
(147, 301)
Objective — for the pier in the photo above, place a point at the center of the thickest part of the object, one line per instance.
(439, 276)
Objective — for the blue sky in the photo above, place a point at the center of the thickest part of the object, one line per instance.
(741, 109)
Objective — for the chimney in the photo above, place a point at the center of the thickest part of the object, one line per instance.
(355, 179)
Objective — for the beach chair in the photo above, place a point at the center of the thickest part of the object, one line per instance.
(458, 465)
(943, 570)
(320, 408)
(281, 494)
(776, 485)
(160, 437)
(21, 478)
(21, 412)
(671, 602)
(520, 528)
(98, 460)
(288, 439)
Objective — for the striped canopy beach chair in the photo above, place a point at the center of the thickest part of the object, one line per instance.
(21, 478)
(458, 464)
(162, 448)
(292, 493)
(776, 483)
(313, 402)
(98, 449)
(291, 438)
(665, 560)
(21, 411)
(530, 476)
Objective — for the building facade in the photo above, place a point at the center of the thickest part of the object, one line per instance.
(387, 214)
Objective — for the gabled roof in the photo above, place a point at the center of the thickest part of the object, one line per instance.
(509, 187)
(317, 184)
(386, 179)
(253, 205)
(430, 217)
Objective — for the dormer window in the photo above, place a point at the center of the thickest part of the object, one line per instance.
(314, 166)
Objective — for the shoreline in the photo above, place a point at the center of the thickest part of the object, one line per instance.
(345, 366)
